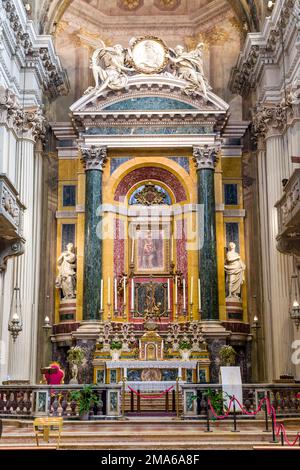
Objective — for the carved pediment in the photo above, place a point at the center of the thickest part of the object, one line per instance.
(155, 93)
(147, 81)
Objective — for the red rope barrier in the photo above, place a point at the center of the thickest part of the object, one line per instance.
(270, 410)
(150, 396)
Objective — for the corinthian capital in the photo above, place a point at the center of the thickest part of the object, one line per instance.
(268, 119)
(205, 157)
(93, 158)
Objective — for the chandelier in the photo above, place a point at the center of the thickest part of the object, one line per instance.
(294, 301)
(15, 325)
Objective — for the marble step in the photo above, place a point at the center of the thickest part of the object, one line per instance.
(171, 445)
(144, 436)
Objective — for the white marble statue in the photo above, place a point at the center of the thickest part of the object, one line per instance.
(108, 65)
(235, 270)
(112, 65)
(189, 67)
(66, 279)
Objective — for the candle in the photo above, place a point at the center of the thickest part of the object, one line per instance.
(199, 293)
(132, 251)
(124, 288)
(116, 294)
(184, 294)
(101, 296)
(176, 290)
(132, 295)
(108, 291)
(172, 249)
(169, 295)
(192, 288)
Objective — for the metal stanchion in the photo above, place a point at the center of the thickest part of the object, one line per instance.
(139, 401)
(131, 401)
(123, 396)
(273, 427)
(207, 418)
(234, 417)
(177, 398)
(167, 402)
(266, 419)
(281, 436)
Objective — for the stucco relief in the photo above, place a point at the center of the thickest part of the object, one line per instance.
(111, 65)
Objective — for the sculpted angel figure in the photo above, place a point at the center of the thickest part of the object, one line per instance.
(108, 65)
(189, 66)
(66, 279)
(235, 270)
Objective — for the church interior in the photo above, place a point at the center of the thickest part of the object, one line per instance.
(149, 216)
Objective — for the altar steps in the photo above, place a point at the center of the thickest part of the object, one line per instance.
(147, 434)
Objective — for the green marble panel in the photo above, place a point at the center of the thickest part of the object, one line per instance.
(208, 252)
(92, 247)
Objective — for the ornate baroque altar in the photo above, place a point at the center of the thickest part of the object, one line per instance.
(141, 246)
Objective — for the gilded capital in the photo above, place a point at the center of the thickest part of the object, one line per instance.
(93, 158)
(205, 157)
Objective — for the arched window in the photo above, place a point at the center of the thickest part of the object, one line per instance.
(150, 194)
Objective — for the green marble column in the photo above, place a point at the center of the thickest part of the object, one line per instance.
(205, 159)
(93, 159)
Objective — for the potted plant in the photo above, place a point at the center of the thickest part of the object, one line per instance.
(217, 402)
(85, 399)
(76, 357)
(115, 350)
(227, 356)
(185, 350)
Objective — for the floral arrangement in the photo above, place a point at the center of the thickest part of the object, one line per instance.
(76, 355)
(227, 355)
(116, 345)
(185, 345)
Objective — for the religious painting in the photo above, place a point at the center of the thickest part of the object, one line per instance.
(151, 251)
(151, 375)
(149, 55)
(151, 300)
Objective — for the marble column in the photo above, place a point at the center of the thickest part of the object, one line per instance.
(26, 267)
(273, 167)
(93, 159)
(205, 159)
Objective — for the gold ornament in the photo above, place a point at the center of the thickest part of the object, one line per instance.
(130, 4)
(150, 196)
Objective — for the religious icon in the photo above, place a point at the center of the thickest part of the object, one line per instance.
(150, 251)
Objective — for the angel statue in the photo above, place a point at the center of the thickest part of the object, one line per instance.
(189, 67)
(108, 65)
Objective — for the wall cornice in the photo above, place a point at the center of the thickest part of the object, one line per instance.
(265, 48)
(31, 50)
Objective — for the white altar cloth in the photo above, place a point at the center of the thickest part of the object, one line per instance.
(151, 364)
(151, 386)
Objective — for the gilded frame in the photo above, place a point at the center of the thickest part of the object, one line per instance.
(162, 230)
(157, 42)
